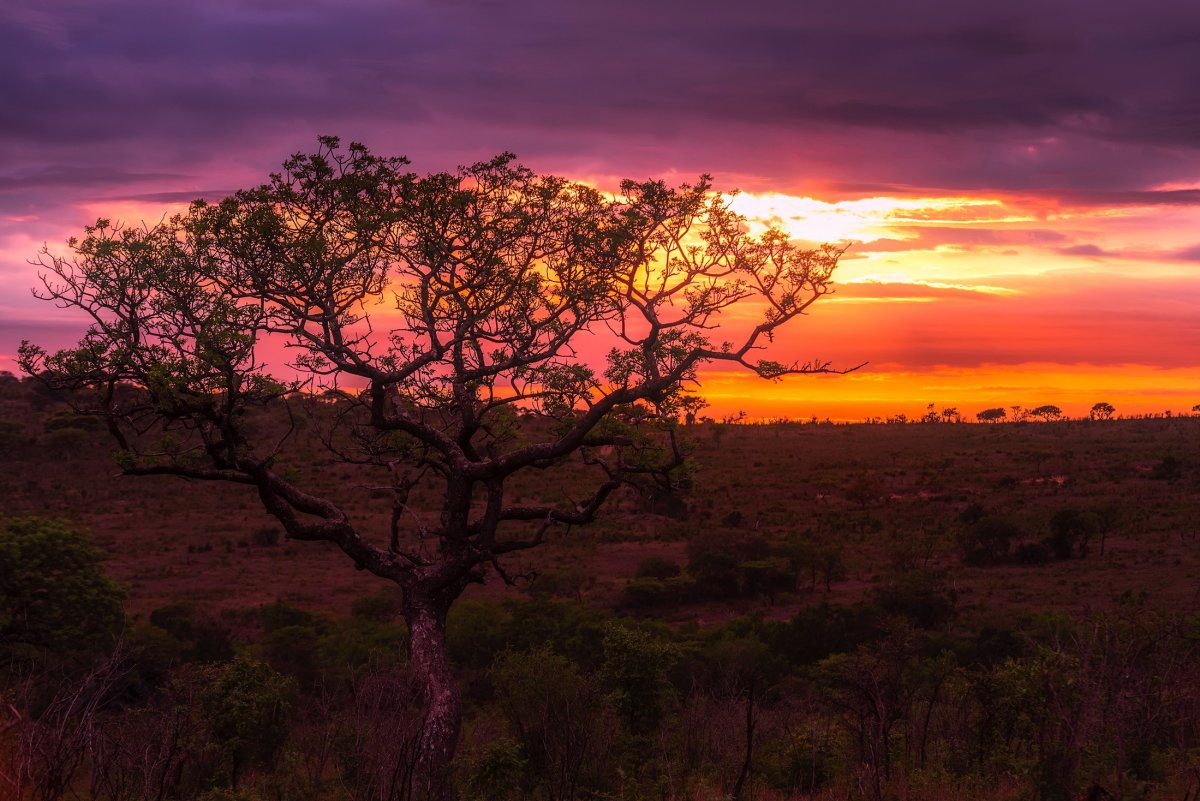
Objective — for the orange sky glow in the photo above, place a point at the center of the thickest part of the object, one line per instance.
(973, 302)
(962, 301)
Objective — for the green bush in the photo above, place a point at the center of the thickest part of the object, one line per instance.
(499, 773)
(198, 640)
(54, 593)
(475, 632)
(922, 597)
(246, 705)
(635, 673)
(379, 607)
(279, 615)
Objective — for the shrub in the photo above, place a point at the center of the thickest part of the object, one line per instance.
(1072, 531)
(767, 577)
(657, 567)
(12, 435)
(246, 704)
(379, 607)
(499, 772)
(641, 593)
(986, 540)
(1033, 553)
(475, 633)
(1169, 469)
(59, 421)
(198, 640)
(54, 594)
(634, 672)
(280, 615)
(922, 597)
(712, 565)
(266, 537)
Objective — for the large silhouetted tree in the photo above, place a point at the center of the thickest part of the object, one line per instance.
(450, 313)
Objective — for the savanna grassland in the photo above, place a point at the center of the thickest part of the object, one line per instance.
(837, 611)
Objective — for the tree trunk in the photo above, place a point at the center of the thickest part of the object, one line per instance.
(426, 619)
(748, 762)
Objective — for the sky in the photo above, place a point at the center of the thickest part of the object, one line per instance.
(1019, 182)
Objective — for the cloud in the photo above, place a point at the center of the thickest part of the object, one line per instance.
(951, 93)
(915, 290)
(1188, 254)
(1087, 250)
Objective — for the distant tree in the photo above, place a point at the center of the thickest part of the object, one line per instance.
(459, 303)
(692, 405)
(991, 415)
(1102, 411)
(951, 415)
(1047, 413)
(931, 415)
(1019, 414)
(1196, 408)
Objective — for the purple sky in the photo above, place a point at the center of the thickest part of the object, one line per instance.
(145, 98)
(129, 103)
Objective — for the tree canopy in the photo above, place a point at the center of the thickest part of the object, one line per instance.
(439, 308)
(470, 325)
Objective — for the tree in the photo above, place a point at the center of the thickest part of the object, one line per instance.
(1047, 413)
(450, 313)
(991, 415)
(1102, 411)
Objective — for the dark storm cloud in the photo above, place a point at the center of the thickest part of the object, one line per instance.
(1084, 96)
(77, 176)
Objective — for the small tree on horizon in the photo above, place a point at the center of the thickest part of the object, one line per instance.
(1102, 411)
(447, 314)
(1047, 413)
(992, 415)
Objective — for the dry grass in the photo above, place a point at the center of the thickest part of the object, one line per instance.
(893, 495)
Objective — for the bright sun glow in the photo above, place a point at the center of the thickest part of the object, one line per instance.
(864, 220)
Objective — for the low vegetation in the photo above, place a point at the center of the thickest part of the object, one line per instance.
(871, 612)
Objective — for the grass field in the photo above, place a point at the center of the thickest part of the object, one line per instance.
(892, 498)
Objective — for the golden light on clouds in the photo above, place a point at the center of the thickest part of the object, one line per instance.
(866, 219)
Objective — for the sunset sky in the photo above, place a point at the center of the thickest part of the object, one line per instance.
(1020, 180)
